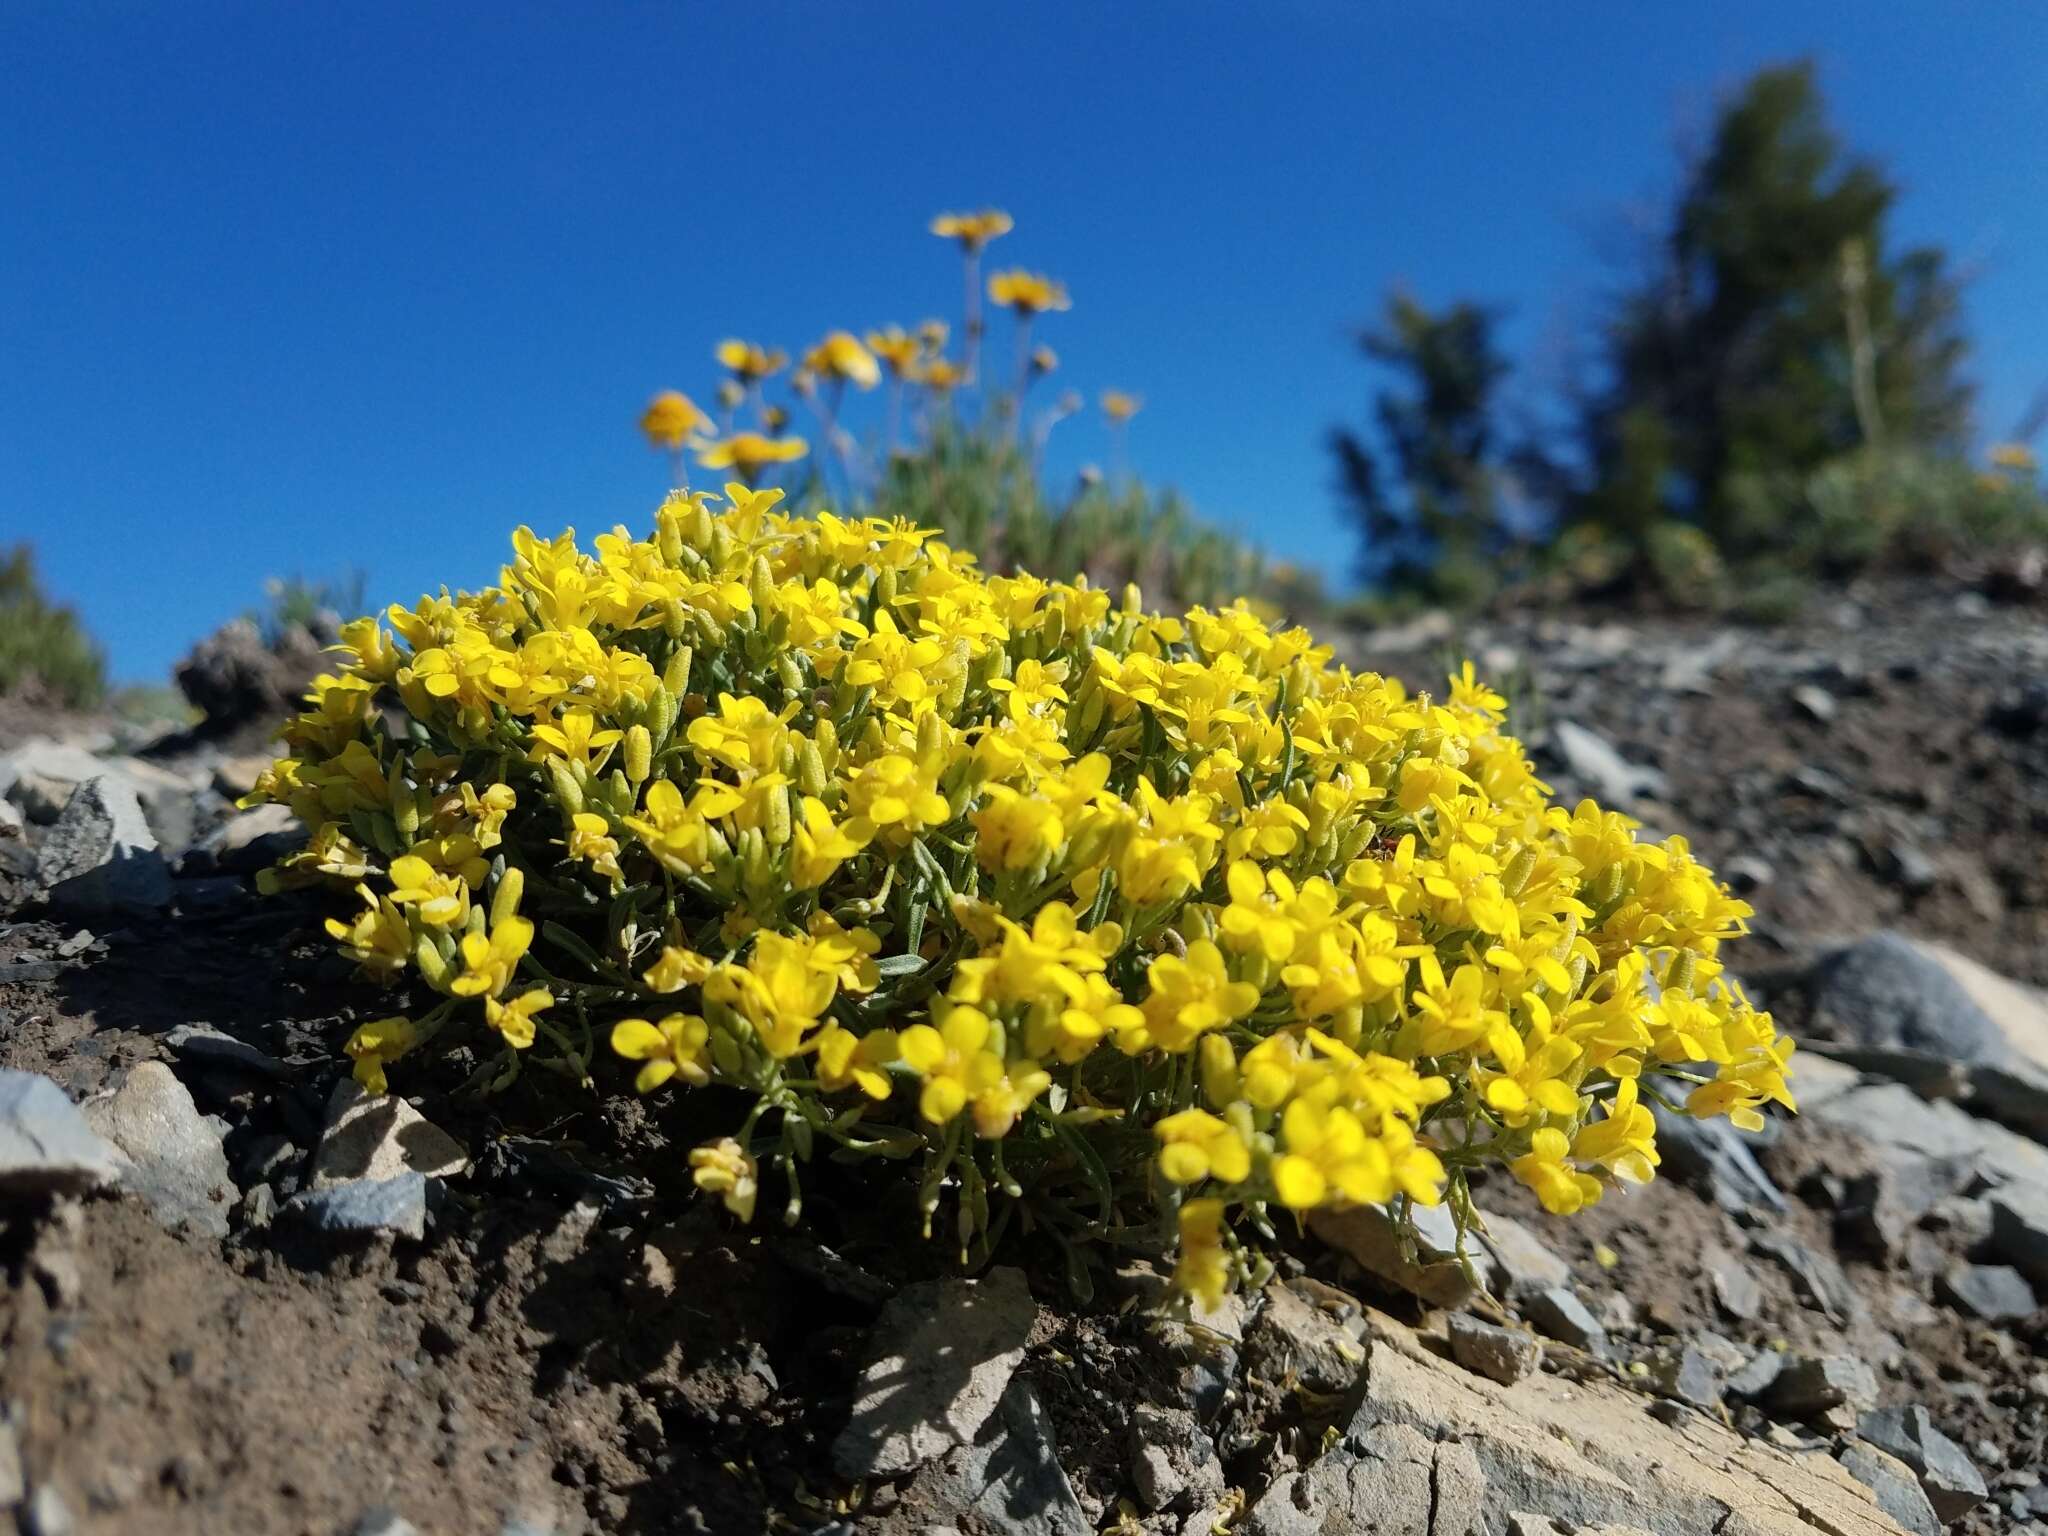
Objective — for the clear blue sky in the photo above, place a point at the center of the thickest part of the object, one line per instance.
(294, 287)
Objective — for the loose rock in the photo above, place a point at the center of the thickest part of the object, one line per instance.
(1557, 1313)
(1008, 1477)
(101, 859)
(1997, 1293)
(1951, 1481)
(362, 1207)
(1173, 1464)
(945, 1351)
(1371, 1236)
(178, 1164)
(381, 1137)
(46, 1146)
(1504, 1355)
(1811, 1385)
(1898, 1491)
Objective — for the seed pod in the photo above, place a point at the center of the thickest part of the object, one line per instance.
(1134, 599)
(930, 734)
(885, 588)
(639, 755)
(810, 768)
(675, 677)
(790, 674)
(661, 714)
(720, 552)
(725, 1051)
(1515, 878)
(775, 827)
(828, 745)
(1683, 971)
(405, 812)
(567, 790)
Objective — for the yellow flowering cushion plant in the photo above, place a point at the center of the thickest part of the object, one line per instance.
(1106, 916)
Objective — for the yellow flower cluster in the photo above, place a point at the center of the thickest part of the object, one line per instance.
(1096, 910)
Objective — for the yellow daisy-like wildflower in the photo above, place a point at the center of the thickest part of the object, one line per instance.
(1120, 407)
(671, 418)
(1028, 293)
(749, 361)
(974, 231)
(841, 356)
(750, 452)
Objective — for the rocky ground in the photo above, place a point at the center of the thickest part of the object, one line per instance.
(240, 1299)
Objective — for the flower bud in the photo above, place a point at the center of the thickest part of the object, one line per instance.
(505, 900)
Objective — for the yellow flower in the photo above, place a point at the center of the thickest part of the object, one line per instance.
(1028, 293)
(488, 963)
(675, 969)
(673, 832)
(750, 361)
(974, 231)
(1191, 996)
(1120, 407)
(442, 900)
(377, 1043)
(670, 419)
(818, 846)
(750, 452)
(1196, 1145)
(514, 1020)
(1203, 1270)
(574, 738)
(939, 375)
(849, 1060)
(724, 1168)
(676, 1047)
(1624, 1140)
(1546, 1169)
(777, 992)
(379, 940)
(897, 348)
(841, 356)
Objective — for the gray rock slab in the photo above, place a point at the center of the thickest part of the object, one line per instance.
(1557, 1313)
(365, 1207)
(1007, 1478)
(101, 859)
(46, 1145)
(1898, 1491)
(1373, 1238)
(1996, 1293)
(944, 1353)
(175, 1156)
(1950, 1479)
(1504, 1355)
(380, 1137)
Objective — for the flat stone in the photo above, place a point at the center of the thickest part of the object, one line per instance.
(1590, 758)
(1582, 1454)
(1008, 1477)
(1293, 1338)
(1715, 1158)
(380, 1137)
(1173, 1463)
(1557, 1313)
(1689, 1376)
(944, 1353)
(1815, 1276)
(1810, 1385)
(1756, 1378)
(177, 1164)
(46, 758)
(1893, 991)
(1996, 1293)
(2019, 1228)
(1898, 1491)
(365, 1207)
(1736, 1290)
(1373, 1239)
(101, 859)
(199, 1042)
(1389, 1478)
(46, 1146)
(1949, 1478)
(1520, 1258)
(1504, 1355)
